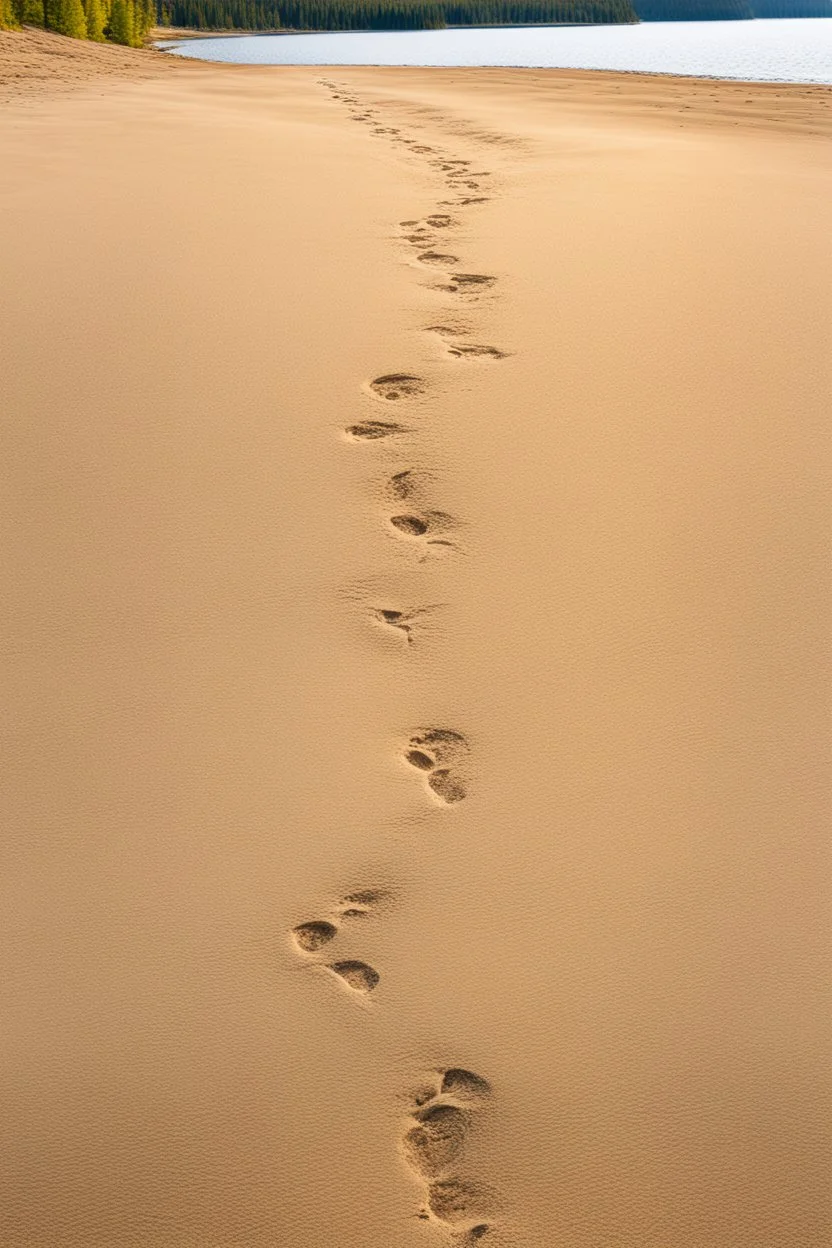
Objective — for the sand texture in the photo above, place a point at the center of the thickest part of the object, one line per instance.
(416, 603)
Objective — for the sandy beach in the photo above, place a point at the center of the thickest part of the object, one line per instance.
(416, 621)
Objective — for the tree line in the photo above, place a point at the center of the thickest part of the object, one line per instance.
(387, 14)
(728, 10)
(120, 21)
(128, 21)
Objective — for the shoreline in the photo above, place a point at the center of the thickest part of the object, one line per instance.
(417, 718)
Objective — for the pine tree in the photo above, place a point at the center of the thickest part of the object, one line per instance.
(8, 17)
(121, 22)
(95, 20)
(67, 18)
(30, 12)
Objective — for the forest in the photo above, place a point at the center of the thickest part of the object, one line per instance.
(119, 21)
(436, 14)
(128, 21)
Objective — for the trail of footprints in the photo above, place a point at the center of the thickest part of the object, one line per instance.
(313, 936)
(441, 1113)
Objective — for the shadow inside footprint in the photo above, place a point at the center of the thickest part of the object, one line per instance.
(394, 386)
(472, 280)
(474, 351)
(357, 975)
(438, 1137)
(464, 1084)
(420, 760)
(413, 526)
(311, 936)
(436, 257)
(369, 430)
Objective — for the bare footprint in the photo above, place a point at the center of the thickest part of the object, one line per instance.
(464, 1084)
(437, 753)
(402, 485)
(371, 430)
(413, 526)
(447, 787)
(363, 902)
(457, 1203)
(463, 351)
(438, 259)
(312, 936)
(436, 1140)
(393, 386)
(470, 283)
(429, 525)
(357, 975)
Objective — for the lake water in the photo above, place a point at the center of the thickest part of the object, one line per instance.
(789, 50)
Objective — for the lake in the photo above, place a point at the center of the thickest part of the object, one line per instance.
(786, 50)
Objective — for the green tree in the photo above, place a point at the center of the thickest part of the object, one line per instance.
(30, 12)
(95, 20)
(8, 17)
(67, 18)
(121, 23)
(145, 17)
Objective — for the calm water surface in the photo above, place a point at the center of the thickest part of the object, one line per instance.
(798, 50)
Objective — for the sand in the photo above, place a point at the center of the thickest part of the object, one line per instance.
(416, 808)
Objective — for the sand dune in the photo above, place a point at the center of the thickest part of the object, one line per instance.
(416, 644)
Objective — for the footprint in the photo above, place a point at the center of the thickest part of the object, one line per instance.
(363, 902)
(436, 1140)
(357, 975)
(447, 787)
(312, 936)
(402, 485)
(394, 386)
(464, 1084)
(440, 220)
(413, 526)
(402, 621)
(457, 1202)
(479, 199)
(437, 752)
(476, 1233)
(463, 351)
(427, 524)
(472, 281)
(443, 744)
(369, 430)
(393, 618)
(437, 258)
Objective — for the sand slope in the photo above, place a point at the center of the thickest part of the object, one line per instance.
(416, 642)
